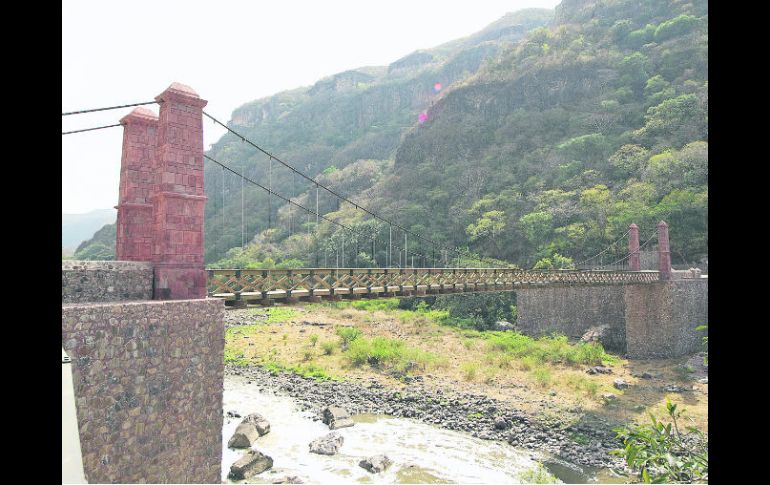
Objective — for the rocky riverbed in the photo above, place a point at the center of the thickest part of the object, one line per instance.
(584, 443)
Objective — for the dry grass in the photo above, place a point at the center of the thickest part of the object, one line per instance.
(463, 356)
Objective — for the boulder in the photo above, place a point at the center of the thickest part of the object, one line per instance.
(501, 423)
(245, 435)
(503, 325)
(336, 417)
(327, 445)
(376, 463)
(252, 463)
(595, 334)
(262, 424)
(620, 384)
(252, 427)
(599, 369)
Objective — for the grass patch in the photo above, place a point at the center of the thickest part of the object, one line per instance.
(469, 370)
(233, 357)
(313, 340)
(328, 347)
(388, 354)
(542, 376)
(554, 349)
(374, 305)
(305, 370)
(581, 383)
(276, 314)
(538, 475)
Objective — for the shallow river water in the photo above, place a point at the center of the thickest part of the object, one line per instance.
(421, 453)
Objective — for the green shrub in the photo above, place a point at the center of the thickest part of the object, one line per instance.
(313, 340)
(660, 452)
(348, 334)
(328, 347)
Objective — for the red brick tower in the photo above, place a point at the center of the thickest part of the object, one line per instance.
(137, 179)
(179, 201)
(634, 263)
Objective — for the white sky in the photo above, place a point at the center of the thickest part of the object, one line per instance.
(231, 52)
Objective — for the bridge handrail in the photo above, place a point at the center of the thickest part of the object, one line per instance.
(237, 281)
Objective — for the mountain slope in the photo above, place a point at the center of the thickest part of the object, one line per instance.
(354, 115)
(550, 151)
(76, 228)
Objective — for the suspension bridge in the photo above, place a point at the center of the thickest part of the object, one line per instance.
(162, 205)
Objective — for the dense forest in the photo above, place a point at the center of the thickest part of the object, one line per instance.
(534, 142)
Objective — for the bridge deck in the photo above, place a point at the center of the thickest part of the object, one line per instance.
(270, 284)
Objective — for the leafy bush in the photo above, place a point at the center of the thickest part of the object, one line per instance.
(348, 334)
(328, 347)
(660, 453)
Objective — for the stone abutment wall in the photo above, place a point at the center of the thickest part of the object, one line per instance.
(95, 281)
(651, 320)
(148, 378)
(571, 310)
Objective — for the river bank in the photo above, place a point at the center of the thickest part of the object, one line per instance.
(478, 415)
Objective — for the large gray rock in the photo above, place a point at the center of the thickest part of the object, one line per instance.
(262, 424)
(245, 435)
(252, 463)
(620, 384)
(252, 427)
(503, 325)
(336, 417)
(327, 445)
(376, 463)
(596, 334)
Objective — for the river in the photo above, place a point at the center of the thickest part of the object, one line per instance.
(421, 453)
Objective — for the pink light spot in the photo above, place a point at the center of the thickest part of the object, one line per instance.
(423, 117)
(437, 87)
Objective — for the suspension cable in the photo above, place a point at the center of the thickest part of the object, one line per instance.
(89, 129)
(105, 109)
(318, 185)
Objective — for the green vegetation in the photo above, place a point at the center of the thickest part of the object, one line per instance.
(538, 475)
(661, 453)
(705, 341)
(388, 354)
(600, 121)
(553, 349)
(328, 347)
(277, 314)
(347, 334)
(469, 370)
(305, 370)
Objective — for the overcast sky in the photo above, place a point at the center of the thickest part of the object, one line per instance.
(231, 52)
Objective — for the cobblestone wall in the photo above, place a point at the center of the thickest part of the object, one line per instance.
(571, 310)
(148, 380)
(661, 318)
(652, 320)
(94, 281)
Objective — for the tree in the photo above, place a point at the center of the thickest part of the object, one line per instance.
(489, 225)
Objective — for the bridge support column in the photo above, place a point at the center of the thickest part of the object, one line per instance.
(664, 252)
(179, 202)
(634, 262)
(137, 186)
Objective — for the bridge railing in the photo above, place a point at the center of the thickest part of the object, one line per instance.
(284, 283)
